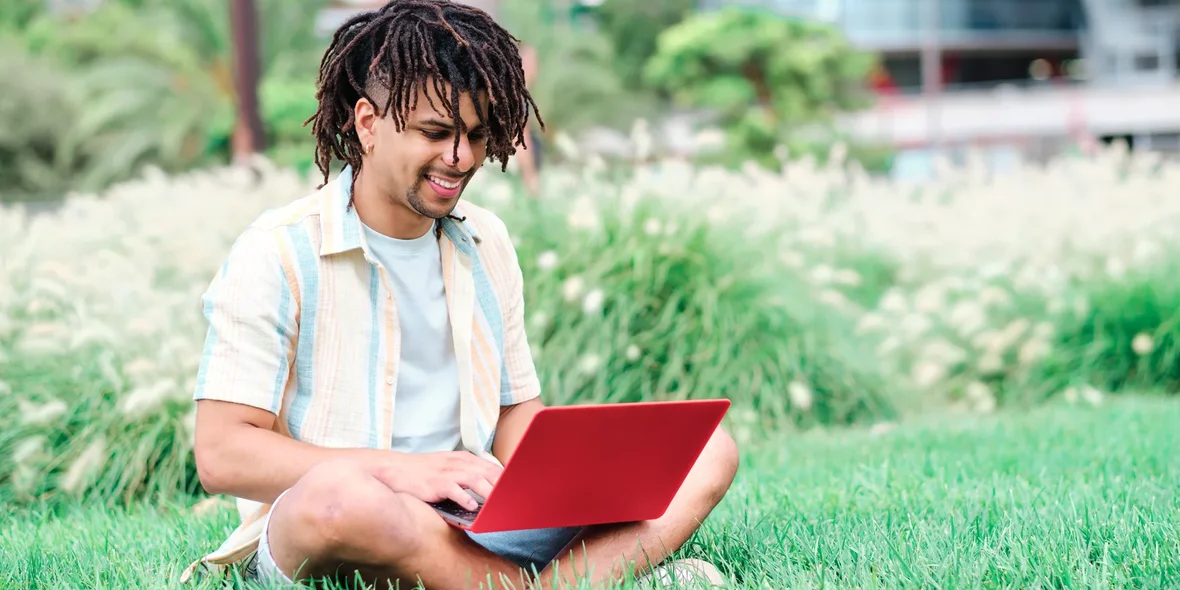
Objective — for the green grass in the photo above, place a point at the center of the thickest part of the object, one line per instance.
(1061, 496)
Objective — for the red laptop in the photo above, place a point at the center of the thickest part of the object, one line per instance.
(594, 464)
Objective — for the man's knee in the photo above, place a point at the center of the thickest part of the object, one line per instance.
(723, 458)
(328, 516)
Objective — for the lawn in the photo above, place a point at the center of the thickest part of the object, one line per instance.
(1063, 496)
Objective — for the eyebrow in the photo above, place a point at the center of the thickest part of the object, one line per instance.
(449, 126)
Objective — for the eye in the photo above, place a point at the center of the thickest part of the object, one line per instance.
(436, 135)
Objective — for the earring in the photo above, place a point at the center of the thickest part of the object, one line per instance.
(368, 149)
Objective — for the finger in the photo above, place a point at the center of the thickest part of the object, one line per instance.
(481, 487)
(460, 496)
(488, 469)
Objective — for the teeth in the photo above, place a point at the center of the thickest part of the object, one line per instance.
(444, 183)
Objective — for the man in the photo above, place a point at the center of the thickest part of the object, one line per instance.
(366, 353)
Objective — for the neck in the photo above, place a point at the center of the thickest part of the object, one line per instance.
(385, 213)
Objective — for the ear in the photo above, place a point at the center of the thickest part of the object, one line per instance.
(365, 115)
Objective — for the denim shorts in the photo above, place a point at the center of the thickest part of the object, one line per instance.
(528, 549)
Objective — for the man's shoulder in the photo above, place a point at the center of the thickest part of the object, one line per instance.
(263, 239)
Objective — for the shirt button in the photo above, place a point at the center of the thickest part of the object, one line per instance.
(389, 380)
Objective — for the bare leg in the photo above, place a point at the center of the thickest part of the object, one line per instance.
(340, 521)
(604, 554)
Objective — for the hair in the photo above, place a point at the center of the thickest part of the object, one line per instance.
(390, 53)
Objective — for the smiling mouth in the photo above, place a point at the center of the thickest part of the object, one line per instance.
(444, 182)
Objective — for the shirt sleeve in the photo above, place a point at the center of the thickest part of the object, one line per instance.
(251, 314)
(519, 381)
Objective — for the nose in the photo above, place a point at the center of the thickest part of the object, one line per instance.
(462, 158)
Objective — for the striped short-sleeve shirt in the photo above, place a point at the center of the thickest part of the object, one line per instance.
(303, 323)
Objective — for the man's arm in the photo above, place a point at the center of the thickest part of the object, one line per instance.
(520, 393)
(514, 420)
(250, 307)
(251, 310)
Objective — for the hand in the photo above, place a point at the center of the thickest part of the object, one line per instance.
(435, 477)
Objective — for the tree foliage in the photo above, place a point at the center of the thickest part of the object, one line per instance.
(156, 77)
(766, 76)
(633, 29)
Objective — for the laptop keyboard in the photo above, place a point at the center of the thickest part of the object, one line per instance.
(454, 509)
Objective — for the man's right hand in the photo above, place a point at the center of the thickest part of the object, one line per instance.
(436, 477)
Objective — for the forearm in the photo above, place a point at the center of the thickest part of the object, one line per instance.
(258, 464)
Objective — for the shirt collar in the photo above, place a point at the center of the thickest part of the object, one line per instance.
(340, 227)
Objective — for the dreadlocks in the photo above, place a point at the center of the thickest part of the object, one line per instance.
(387, 53)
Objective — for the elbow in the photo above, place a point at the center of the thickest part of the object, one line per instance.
(211, 465)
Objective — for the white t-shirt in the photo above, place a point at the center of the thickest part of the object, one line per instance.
(426, 403)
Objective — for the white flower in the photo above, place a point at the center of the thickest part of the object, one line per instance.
(967, 317)
(888, 345)
(498, 193)
(28, 448)
(870, 322)
(143, 400)
(80, 472)
(1033, 351)
(633, 353)
(1091, 395)
(571, 289)
(1070, 394)
(835, 299)
(977, 390)
(800, 395)
(930, 298)
(848, 277)
(35, 415)
(985, 405)
(822, 274)
(547, 260)
(928, 373)
(893, 301)
(915, 324)
(652, 227)
(589, 363)
(566, 145)
(792, 259)
(993, 296)
(592, 304)
(539, 320)
(991, 364)
(1142, 344)
(583, 215)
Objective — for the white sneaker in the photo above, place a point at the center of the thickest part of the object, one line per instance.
(683, 573)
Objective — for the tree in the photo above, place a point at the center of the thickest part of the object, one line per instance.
(248, 132)
(766, 76)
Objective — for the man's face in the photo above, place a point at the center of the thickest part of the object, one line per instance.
(417, 167)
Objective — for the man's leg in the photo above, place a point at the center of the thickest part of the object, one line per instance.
(338, 520)
(606, 553)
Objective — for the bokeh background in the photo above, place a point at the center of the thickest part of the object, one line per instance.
(837, 213)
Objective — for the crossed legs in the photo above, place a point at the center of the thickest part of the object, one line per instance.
(338, 522)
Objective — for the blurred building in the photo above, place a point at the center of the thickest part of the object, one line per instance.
(1025, 77)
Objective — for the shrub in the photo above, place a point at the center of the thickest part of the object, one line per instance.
(814, 295)
(39, 113)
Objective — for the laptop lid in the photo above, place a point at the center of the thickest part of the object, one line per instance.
(599, 464)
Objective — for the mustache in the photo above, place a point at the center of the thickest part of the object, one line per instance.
(447, 175)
